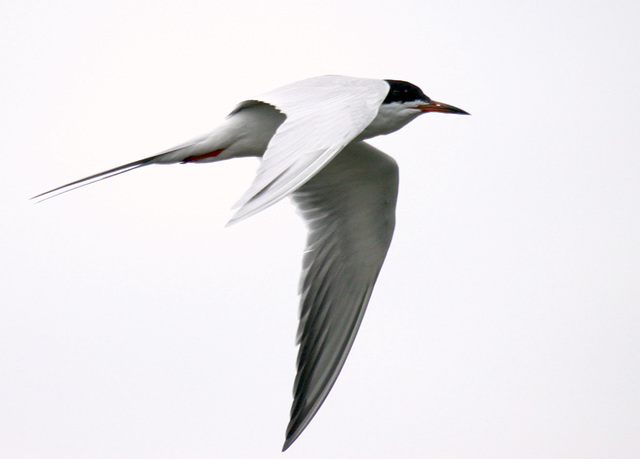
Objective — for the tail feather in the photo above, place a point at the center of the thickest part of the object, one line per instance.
(200, 148)
(94, 178)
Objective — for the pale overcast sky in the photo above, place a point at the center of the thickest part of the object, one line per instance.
(505, 322)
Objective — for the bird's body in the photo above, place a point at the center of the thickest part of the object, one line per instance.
(309, 135)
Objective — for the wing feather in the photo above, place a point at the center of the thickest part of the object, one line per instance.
(323, 115)
(349, 208)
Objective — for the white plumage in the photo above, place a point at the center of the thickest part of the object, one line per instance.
(310, 135)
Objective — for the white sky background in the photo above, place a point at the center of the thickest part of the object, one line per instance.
(505, 322)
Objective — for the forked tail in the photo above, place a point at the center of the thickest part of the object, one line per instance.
(195, 150)
(94, 178)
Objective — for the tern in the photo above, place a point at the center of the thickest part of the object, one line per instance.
(310, 138)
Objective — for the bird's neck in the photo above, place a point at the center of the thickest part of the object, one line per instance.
(390, 118)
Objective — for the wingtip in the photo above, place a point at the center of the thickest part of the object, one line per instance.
(242, 213)
(235, 218)
(288, 442)
(294, 430)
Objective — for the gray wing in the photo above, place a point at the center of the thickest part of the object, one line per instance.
(323, 115)
(349, 207)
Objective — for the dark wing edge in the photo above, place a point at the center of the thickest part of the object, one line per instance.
(349, 207)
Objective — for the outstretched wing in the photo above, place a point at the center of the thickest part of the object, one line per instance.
(323, 114)
(349, 207)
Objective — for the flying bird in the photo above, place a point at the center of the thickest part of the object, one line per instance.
(310, 136)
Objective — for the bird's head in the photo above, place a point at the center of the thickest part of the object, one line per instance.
(404, 103)
(408, 96)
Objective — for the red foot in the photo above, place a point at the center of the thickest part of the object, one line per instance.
(211, 154)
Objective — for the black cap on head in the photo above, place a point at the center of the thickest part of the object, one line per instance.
(403, 91)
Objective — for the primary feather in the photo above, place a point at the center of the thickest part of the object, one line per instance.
(349, 207)
(309, 135)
